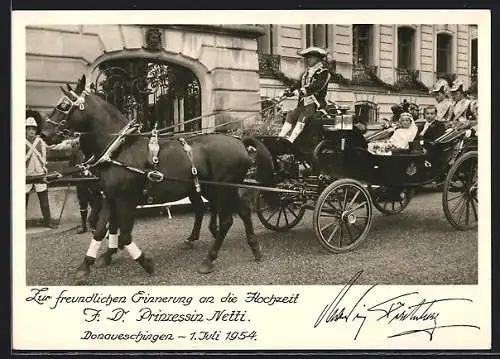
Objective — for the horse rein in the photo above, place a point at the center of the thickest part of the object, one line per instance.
(66, 105)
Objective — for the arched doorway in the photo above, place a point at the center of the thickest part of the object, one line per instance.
(151, 91)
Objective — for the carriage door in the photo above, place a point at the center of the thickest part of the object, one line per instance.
(152, 92)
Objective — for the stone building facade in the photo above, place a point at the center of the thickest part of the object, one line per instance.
(139, 64)
(374, 64)
(175, 72)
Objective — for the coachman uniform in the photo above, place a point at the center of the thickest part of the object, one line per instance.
(311, 89)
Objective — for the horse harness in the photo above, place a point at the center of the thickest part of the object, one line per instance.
(154, 176)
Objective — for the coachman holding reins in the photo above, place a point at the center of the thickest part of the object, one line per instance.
(311, 90)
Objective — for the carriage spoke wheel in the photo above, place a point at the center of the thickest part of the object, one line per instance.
(460, 203)
(343, 215)
(390, 206)
(283, 216)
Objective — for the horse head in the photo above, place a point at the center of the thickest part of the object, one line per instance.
(82, 111)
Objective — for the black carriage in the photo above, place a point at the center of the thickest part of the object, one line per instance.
(341, 181)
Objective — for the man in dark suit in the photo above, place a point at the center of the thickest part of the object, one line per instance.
(432, 128)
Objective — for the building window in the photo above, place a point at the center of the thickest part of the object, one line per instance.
(265, 42)
(473, 63)
(406, 46)
(317, 35)
(366, 111)
(361, 35)
(443, 45)
(151, 92)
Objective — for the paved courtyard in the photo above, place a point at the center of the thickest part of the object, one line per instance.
(417, 246)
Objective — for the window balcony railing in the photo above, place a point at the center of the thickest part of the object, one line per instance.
(268, 65)
(448, 76)
(406, 77)
(363, 74)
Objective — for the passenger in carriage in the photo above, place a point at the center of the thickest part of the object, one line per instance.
(400, 139)
(432, 128)
(311, 90)
(464, 110)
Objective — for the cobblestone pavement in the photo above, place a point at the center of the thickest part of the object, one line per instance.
(417, 246)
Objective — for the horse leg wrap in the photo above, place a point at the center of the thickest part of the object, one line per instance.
(113, 241)
(93, 248)
(133, 250)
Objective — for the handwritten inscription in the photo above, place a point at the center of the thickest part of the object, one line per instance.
(350, 310)
(409, 308)
(144, 308)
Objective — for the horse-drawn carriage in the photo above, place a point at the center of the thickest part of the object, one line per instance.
(341, 181)
(338, 178)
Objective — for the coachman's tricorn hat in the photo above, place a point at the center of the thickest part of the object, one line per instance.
(313, 51)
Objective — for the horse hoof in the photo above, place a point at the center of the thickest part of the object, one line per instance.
(187, 244)
(257, 253)
(206, 267)
(103, 260)
(147, 264)
(82, 273)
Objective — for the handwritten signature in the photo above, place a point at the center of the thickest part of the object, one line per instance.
(406, 307)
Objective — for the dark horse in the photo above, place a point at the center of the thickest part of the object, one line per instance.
(217, 157)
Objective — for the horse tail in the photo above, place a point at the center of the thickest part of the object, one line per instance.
(264, 167)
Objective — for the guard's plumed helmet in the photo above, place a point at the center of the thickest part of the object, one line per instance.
(457, 86)
(440, 86)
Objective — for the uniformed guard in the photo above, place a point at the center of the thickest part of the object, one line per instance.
(311, 90)
(444, 105)
(87, 196)
(463, 108)
(36, 165)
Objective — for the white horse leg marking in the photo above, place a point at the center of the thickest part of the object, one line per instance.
(93, 248)
(133, 250)
(113, 241)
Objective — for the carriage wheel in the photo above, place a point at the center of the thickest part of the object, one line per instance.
(390, 206)
(343, 215)
(283, 217)
(460, 203)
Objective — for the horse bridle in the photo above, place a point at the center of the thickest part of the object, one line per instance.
(66, 106)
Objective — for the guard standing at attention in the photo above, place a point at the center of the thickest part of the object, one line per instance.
(36, 165)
